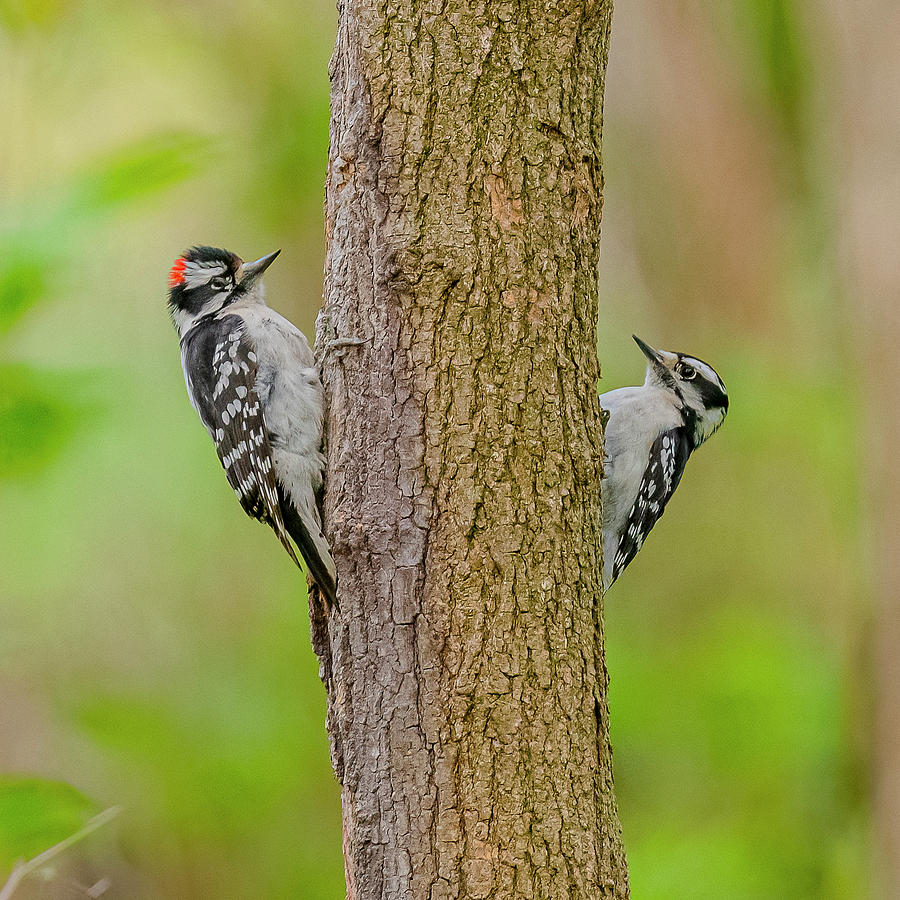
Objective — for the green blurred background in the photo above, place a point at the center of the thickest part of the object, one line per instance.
(143, 666)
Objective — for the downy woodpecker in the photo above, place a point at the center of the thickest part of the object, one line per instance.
(252, 377)
(651, 432)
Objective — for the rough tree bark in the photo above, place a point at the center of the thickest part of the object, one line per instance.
(465, 667)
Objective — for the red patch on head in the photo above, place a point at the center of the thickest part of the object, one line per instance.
(176, 273)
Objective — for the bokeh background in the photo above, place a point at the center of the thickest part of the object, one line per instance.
(154, 648)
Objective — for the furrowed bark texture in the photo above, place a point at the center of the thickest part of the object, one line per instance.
(465, 667)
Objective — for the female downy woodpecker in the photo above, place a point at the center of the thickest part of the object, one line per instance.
(252, 377)
(651, 432)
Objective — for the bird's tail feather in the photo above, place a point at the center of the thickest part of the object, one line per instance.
(307, 535)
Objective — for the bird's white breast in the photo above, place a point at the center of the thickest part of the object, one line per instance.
(637, 416)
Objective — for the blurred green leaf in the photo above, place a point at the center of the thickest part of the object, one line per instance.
(138, 171)
(17, 15)
(226, 771)
(35, 814)
(39, 412)
(23, 283)
(39, 236)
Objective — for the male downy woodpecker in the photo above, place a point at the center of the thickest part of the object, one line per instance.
(651, 432)
(252, 377)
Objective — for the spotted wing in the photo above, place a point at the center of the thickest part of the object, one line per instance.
(221, 369)
(668, 455)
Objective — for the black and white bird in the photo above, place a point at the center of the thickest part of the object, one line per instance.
(252, 377)
(651, 432)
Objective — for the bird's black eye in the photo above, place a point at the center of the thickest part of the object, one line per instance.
(219, 283)
(686, 372)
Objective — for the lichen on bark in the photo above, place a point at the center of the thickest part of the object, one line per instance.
(465, 667)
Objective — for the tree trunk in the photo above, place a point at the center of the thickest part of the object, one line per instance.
(465, 668)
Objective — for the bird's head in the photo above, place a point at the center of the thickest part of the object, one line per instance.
(698, 388)
(204, 280)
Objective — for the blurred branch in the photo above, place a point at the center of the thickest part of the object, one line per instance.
(23, 869)
(869, 138)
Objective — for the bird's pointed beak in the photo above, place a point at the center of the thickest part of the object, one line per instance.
(653, 355)
(252, 271)
(660, 359)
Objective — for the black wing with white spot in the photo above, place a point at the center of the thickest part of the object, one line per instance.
(222, 370)
(668, 455)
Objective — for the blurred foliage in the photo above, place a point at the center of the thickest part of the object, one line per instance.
(43, 232)
(221, 758)
(23, 281)
(17, 15)
(39, 409)
(777, 62)
(737, 641)
(139, 171)
(148, 667)
(36, 814)
(37, 417)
